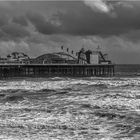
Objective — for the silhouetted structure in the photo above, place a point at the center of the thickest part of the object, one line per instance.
(87, 63)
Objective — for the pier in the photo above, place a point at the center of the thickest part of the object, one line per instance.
(52, 70)
(84, 63)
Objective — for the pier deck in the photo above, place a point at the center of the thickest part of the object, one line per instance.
(47, 70)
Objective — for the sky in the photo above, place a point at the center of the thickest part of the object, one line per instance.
(39, 27)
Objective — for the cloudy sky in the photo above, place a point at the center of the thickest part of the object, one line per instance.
(38, 27)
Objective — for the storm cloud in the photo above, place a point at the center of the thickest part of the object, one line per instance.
(14, 30)
(85, 17)
(20, 20)
(37, 27)
(41, 24)
(85, 21)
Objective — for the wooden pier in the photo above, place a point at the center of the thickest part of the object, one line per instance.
(52, 70)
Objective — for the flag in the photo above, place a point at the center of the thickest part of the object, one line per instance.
(72, 52)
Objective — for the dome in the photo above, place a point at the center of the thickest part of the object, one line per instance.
(59, 57)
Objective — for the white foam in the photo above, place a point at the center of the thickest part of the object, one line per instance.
(65, 83)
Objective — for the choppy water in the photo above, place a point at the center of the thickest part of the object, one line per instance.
(70, 108)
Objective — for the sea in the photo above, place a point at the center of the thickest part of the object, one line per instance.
(64, 108)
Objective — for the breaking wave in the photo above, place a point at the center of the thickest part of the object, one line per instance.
(70, 108)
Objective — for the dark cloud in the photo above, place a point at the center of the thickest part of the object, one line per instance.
(41, 24)
(86, 22)
(14, 31)
(20, 20)
(133, 36)
(3, 35)
(76, 17)
(79, 19)
(3, 20)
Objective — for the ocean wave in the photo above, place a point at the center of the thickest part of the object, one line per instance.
(13, 98)
(69, 83)
(109, 115)
(73, 108)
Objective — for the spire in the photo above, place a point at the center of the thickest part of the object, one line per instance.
(67, 49)
(62, 47)
(98, 48)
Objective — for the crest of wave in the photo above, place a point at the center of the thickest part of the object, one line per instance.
(66, 83)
